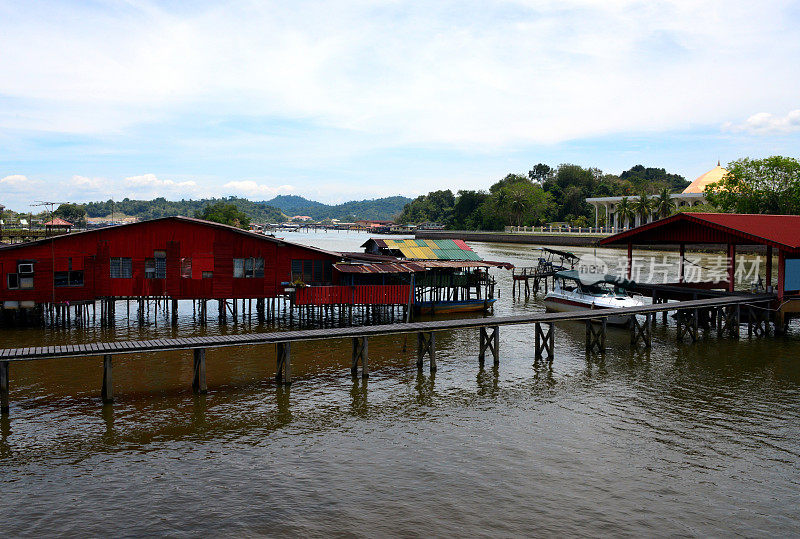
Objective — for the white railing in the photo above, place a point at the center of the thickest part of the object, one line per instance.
(565, 229)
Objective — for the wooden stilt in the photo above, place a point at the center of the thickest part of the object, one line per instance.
(641, 332)
(284, 371)
(3, 387)
(544, 341)
(426, 344)
(360, 353)
(596, 336)
(490, 342)
(199, 379)
(108, 382)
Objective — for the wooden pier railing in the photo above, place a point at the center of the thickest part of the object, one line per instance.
(724, 312)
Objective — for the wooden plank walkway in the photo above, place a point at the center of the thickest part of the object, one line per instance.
(158, 345)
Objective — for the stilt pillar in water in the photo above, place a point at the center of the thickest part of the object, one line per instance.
(360, 352)
(641, 332)
(596, 336)
(108, 381)
(687, 324)
(284, 360)
(728, 321)
(3, 387)
(199, 379)
(490, 342)
(426, 344)
(544, 341)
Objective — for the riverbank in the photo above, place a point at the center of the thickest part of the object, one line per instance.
(565, 240)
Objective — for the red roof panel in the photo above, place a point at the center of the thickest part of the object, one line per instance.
(781, 231)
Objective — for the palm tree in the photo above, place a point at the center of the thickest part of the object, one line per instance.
(641, 205)
(663, 205)
(625, 211)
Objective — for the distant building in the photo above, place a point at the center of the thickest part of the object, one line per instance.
(691, 196)
(301, 218)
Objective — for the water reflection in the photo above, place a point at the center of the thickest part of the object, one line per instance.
(358, 396)
(425, 387)
(110, 436)
(284, 412)
(488, 381)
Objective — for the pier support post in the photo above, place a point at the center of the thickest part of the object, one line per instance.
(107, 393)
(199, 378)
(490, 342)
(284, 371)
(596, 336)
(426, 344)
(687, 324)
(641, 332)
(360, 352)
(544, 341)
(757, 321)
(728, 321)
(4, 387)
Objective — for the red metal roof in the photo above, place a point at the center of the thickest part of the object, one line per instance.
(780, 231)
(383, 267)
(58, 221)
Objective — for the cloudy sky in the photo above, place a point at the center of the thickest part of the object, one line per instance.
(341, 100)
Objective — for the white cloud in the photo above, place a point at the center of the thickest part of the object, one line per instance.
(89, 184)
(152, 181)
(764, 123)
(151, 186)
(14, 181)
(251, 188)
(407, 73)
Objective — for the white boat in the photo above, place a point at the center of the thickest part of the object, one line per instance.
(575, 291)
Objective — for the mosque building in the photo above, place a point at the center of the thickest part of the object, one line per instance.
(691, 196)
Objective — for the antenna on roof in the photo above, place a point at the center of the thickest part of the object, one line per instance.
(50, 205)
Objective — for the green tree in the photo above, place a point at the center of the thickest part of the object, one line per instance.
(642, 206)
(625, 212)
(769, 185)
(227, 214)
(73, 213)
(651, 180)
(663, 205)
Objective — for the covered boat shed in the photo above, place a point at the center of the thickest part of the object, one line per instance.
(775, 232)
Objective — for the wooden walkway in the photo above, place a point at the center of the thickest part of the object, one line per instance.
(726, 310)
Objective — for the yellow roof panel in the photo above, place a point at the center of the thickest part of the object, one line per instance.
(427, 253)
(407, 252)
(432, 244)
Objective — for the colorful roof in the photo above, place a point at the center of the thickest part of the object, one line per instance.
(712, 176)
(427, 249)
(780, 231)
(58, 221)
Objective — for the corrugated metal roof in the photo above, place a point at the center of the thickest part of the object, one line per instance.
(443, 249)
(381, 267)
(781, 231)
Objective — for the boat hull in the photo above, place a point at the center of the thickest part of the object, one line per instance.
(563, 305)
(449, 307)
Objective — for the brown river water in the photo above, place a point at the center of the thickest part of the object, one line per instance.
(689, 439)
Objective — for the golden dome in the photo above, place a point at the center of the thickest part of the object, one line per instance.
(712, 176)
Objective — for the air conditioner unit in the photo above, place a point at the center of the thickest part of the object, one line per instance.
(25, 268)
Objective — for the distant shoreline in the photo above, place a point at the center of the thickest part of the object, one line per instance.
(565, 240)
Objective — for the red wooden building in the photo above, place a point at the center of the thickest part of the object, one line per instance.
(176, 257)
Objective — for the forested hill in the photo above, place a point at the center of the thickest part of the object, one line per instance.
(378, 209)
(277, 210)
(161, 207)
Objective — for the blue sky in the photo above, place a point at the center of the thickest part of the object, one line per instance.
(360, 99)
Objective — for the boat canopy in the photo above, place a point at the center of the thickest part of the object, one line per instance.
(590, 279)
(563, 254)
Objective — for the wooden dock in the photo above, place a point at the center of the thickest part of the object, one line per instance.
(726, 313)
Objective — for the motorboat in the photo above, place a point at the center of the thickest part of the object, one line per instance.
(574, 291)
